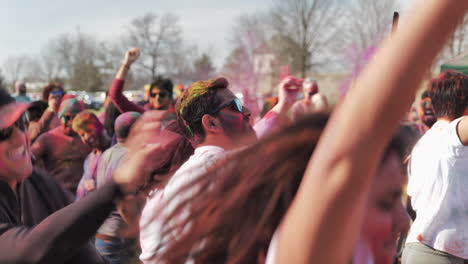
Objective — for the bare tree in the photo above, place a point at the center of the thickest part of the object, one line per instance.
(457, 44)
(249, 37)
(76, 57)
(203, 68)
(15, 68)
(49, 63)
(365, 23)
(309, 23)
(157, 37)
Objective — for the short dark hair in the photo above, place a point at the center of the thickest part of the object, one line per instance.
(163, 84)
(449, 94)
(199, 99)
(48, 89)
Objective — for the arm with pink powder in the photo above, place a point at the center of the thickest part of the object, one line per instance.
(324, 229)
(116, 89)
(277, 117)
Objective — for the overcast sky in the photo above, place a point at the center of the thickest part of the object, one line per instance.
(26, 25)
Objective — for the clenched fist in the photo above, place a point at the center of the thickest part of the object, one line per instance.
(131, 56)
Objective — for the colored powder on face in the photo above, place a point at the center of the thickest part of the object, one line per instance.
(86, 122)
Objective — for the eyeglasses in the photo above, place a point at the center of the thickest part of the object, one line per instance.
(22, 123)
(161, 94)
(235, 102)
(59, 93)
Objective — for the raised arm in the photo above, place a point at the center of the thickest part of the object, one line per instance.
(46, 118)
(325, 217)
(277, 117)
(116, 90)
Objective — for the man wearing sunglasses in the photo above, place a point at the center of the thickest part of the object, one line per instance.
(312, 102)
(61, 149)
(160, 92)
(38, 223)
(215, 122)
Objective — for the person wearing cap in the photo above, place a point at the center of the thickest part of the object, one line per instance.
(312, 102)
(108, 241)
(20, 96)
(38, 222)
(61, 149)
(91, 132)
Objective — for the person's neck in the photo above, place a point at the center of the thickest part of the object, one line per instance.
(217, 142)
(446, 118)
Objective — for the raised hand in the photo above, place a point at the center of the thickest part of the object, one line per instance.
(131, 56)
(288, 89)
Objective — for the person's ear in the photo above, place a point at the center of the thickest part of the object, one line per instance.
(211, 124)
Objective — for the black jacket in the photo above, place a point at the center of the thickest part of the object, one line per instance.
(39, 224)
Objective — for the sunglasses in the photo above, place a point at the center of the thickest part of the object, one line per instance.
(66, 118)
(59, 93)
(22, 123)
(235, 102)
(161, 94)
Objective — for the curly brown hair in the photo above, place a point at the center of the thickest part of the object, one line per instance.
(49, 88)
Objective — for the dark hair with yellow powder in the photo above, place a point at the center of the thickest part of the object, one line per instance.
(199, 99)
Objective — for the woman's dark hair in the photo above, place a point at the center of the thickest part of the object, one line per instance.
(36, 109)
(238, 204)
(449, 94)
(49, 88)
(110, 116)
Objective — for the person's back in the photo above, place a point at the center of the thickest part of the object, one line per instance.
(437, 182)
(437, 186)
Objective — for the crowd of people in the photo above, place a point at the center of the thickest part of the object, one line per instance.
(193, 176)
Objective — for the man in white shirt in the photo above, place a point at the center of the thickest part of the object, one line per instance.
(437, 178)
(215, 122)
